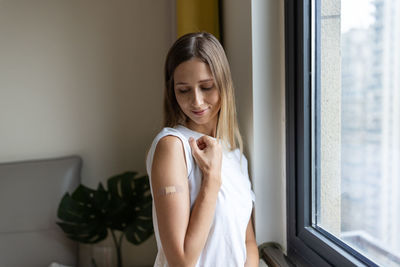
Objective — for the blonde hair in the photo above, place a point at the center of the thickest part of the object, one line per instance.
(207, 48)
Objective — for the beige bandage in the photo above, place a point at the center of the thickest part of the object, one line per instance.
(171, 189)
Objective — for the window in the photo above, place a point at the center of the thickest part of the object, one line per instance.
(343, 131)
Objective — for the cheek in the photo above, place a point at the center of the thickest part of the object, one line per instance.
(216, 99)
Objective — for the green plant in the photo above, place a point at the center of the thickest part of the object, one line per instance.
(126, 206)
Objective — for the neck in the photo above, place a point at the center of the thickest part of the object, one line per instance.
(209, 128)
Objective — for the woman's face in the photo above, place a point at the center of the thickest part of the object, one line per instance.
(197, 94)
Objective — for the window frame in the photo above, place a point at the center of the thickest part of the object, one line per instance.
(307, 244)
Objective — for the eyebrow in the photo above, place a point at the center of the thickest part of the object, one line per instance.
(201, 81)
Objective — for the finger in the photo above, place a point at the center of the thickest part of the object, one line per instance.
(206, 140)
(201, 144)
(194, 146)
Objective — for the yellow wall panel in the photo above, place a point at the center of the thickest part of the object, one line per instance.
(197, 15)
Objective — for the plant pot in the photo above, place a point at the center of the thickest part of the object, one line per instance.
(103, 256)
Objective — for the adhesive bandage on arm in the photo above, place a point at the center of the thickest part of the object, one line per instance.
(171, 189)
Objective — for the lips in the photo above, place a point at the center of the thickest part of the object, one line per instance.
(199, 112)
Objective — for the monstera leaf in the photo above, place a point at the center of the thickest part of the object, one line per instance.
(125, 206)
(135, 218)
(84, 214)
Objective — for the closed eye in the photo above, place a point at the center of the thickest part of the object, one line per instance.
(183, 91)
(207, 86)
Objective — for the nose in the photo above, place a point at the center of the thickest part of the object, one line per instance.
(198, 98)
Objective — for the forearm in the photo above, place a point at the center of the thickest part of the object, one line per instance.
(253, 257)
(200, 221)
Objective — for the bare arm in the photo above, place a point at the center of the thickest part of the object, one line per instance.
(253, 258)
(183, 235)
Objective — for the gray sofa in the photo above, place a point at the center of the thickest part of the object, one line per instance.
(30, 192)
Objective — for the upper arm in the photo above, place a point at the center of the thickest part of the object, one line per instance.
(250, 237)
(173, 210)
(251, 246)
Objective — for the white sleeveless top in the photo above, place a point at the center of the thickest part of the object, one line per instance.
(225, 245)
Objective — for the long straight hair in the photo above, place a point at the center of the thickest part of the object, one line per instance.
(207, 48)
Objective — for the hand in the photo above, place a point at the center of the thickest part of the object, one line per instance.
(207, 153)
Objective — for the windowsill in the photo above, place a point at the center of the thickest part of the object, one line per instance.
(272, 255)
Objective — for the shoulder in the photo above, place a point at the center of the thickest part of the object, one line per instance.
(241, 160)
(169, 141)
(168, 137)
(239, 156)
(169, 151)
(169, 147)
(169, 144)
(169, 157)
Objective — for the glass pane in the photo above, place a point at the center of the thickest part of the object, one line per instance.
(357, 126)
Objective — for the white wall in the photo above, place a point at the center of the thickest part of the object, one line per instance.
(269, 119)
(254, 40)
(84, 77)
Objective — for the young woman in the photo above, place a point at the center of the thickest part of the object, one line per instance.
(202, 197)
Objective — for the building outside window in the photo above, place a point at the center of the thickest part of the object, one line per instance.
(346, 124)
